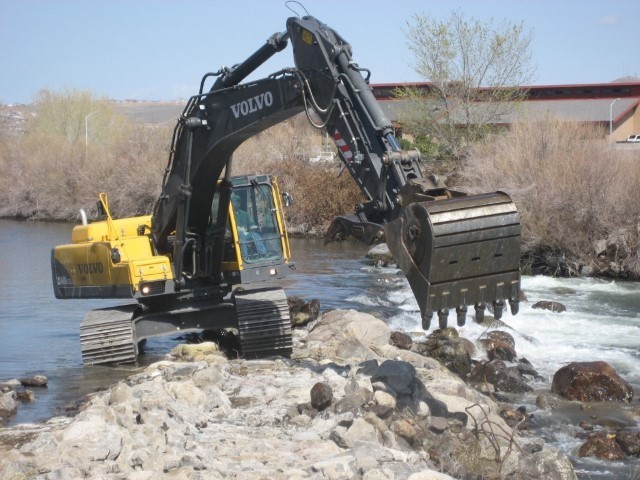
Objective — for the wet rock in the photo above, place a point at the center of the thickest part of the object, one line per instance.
(303, 312)
(35, 381)
(321, 396)
(380, 256)
(629, 442)
(450, 350)
(602, 446)
(556, 307)
(544, 463)
(498, 349)
(591, 382)
(401, 340)
(25, 396)
(503, 378)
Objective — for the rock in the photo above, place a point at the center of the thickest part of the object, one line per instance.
(346, 335)
(591, 382)
(556, 307)
(10, 385)
(380, 256)
(438, 424)
(399, 376)
(629, 442)
(602, 446)
(321, 396)
(384, 399)
(545, 463)
(404, 429)
(120, 394)
(447, 348)
(25, 396)
(8, 405)
(401, 340)
(195, 352)
(254, 419)
(503, 378)
(360, 431)
(35, 381)
(500, 345)
(302, 312)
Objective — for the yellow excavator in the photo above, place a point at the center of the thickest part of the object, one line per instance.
(211, 233)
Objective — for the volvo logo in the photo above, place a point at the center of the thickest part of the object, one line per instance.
(253, 104)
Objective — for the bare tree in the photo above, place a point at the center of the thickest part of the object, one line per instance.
(476, 72)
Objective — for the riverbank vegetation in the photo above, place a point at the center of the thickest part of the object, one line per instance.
(578, 197)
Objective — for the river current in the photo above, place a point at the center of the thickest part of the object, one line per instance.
(39, 334)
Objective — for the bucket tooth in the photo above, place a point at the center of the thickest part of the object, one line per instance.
(498, 307)
(426, 319)
(443, 317)
(461, 313)
(515, 306)
(479, 308)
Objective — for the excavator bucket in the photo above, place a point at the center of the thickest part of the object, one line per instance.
(459, 252)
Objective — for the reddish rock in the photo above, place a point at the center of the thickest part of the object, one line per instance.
(321, 396)
(591, 382)
(602, 446)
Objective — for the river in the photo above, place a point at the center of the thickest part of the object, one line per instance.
(39, 334)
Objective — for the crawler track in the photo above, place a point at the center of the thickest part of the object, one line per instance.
(264, 324)
(107, 336)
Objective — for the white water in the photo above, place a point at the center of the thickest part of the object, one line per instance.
(602, 322)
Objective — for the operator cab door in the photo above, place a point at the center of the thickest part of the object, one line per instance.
(256, 243)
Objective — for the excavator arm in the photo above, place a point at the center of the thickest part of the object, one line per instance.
(456, 250)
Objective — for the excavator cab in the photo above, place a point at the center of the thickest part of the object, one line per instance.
(256, 241)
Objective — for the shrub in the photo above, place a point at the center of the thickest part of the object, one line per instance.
(570, 189)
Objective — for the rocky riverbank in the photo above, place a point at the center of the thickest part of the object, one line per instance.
(351, 403)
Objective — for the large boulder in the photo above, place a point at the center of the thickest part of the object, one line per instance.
(346, 335)
(591, 382)
(602, 446)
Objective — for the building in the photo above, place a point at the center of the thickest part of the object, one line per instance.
(614, 106)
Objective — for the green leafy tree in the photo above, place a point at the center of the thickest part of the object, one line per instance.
(476, 72)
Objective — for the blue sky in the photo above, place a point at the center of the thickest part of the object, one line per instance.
(159, 50)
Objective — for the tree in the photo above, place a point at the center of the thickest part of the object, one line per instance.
(71, 113)
(476, 71)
